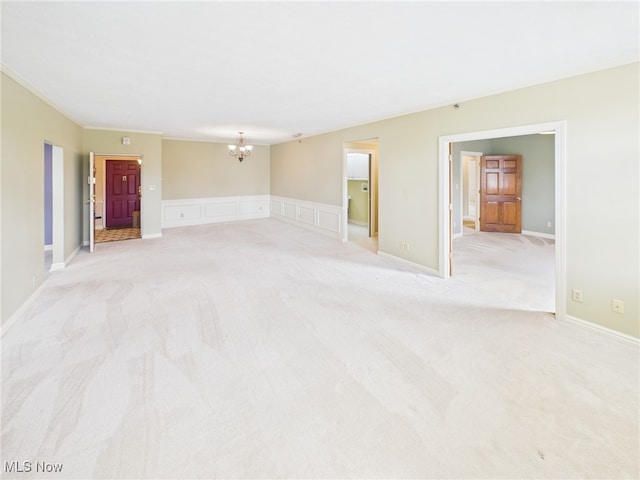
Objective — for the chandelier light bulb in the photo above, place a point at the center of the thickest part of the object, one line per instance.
(240, 150)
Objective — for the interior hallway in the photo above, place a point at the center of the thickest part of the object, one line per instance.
(260, 349)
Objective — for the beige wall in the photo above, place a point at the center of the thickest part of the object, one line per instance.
(309, 169)
(27, 123)
(601, 110)
(149, 145)
(204, 169)
(359, 202)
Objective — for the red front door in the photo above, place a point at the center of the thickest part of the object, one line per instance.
(122, 198)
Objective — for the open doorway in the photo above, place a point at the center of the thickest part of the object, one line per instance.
(53, 207)
(360, 187)
(557, 223)
(118, 197)
(470, 191)
(48, 207)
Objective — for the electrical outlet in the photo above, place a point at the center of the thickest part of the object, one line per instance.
(548, 224)
(617, 305)
(576, 295)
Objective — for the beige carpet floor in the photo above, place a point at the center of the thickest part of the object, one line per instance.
(258, 349)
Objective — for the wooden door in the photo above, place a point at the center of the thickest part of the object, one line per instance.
(122, 184)
(501, 193)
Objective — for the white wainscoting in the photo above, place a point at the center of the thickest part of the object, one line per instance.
(199, 211)
(320, 217)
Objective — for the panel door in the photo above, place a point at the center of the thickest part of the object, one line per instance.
(122, 192)
(501, 193)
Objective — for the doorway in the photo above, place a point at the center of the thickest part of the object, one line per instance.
(48, 207)
(53, 207)
(360, 187)
(117, 198)
(445, 223)
(470, 192)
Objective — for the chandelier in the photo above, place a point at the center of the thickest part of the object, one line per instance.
(240, 150)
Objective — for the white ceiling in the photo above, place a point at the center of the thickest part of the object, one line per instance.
(205, 70)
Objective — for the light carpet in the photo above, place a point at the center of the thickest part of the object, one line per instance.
(258, 349)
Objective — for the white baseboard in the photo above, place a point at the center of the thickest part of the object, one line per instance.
(538, 234)
(319, 217)
(62, 265)
(21, 309)
(151, 235)
(200, 211)
(409, 263)
(614, 334)
(55, 266)
(358, 222)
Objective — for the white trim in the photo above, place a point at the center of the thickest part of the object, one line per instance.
(21, 309)
(57, 204)
(358, 223)
(62, 265)
(139, 155)
(209, 140)
(149, 132)
(409, 263)
(373, 189)
(23, 83)
(559, 127)
(538, 234)
(151, 235)
(475, 219)
(320, 217)
(200, 211)
(613, 334)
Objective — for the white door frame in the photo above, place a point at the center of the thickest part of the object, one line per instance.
(465, 153)
(91, 180)
(140, 159)
(57, 178)
(559, 128)
(373, 190)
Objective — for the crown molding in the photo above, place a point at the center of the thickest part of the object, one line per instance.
(24, 84)
(123, 130)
